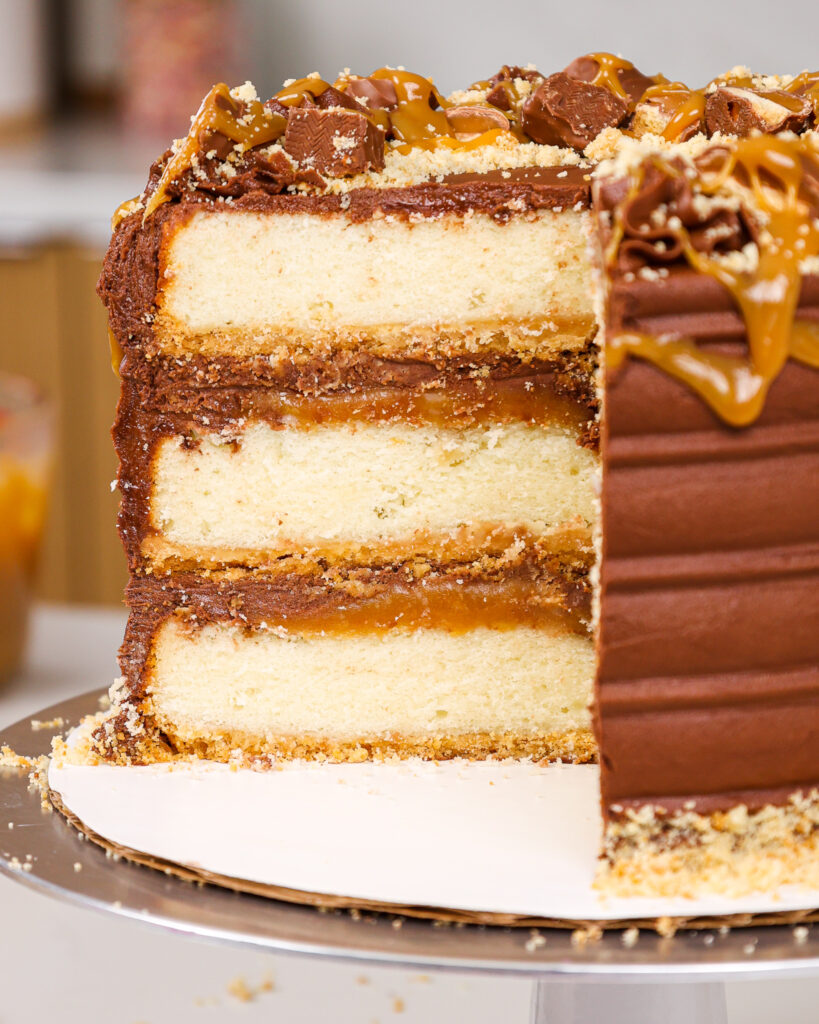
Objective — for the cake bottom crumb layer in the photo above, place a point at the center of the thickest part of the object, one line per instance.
(733, 852)
(574, 746)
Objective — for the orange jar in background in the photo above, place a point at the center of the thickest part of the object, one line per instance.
(25, 469)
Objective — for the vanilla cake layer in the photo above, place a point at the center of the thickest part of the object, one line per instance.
(250, 283)
(520, 691)
(392, 488)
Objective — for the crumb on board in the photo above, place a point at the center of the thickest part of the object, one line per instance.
(52, 723)
(630, 936)
(666, 927)
(581, 937)
(240, 989)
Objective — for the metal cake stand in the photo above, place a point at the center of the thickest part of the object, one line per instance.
(571, 983)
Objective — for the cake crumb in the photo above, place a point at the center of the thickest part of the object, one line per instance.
(666, 927)
(238, 988)
(630, 937)
(581, 937)
(37, 771)
(10, 759)
(77, 866)
(246, 993)
(362, 979)
(535, 941)
(51, 723)
(800, 935)
(398, 1005)
(397, 922)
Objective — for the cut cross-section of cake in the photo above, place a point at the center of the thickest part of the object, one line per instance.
(357, 429)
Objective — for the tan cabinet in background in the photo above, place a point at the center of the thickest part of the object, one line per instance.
(52, 329)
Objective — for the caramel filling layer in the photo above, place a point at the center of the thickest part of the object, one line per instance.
(454, 603)
(537, 399)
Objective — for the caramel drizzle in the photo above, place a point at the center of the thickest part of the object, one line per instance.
(246, 125)
(414, 119)
(767, 297)
(607, 67)
(806, 84)
(293, 94)
(687, 106)
(419, 119)
(116, 352)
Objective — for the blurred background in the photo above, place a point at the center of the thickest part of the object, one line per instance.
(91, 91)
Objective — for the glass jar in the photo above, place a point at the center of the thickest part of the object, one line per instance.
(26, 435)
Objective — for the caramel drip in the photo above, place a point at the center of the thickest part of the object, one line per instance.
(245, 124)
(806, 84)
(787, 96)
(686, 106)
(766, 296)
(292, 95)
(607, 67)
(116, 352)
(419, 120)
(415, 118)
(124, 210)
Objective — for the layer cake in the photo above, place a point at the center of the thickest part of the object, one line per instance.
(362, 395)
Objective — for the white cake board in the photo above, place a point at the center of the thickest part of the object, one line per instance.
(511, 838)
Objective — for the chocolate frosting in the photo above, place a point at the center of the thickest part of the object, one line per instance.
(649, 241)
(708, 678)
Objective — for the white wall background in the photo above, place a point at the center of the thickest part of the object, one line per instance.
(459, 41)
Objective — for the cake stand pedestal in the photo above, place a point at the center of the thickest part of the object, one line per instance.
(655, 980)
(581, 1002)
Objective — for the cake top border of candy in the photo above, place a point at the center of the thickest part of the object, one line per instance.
(394, 129)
